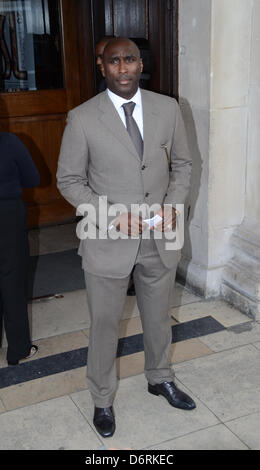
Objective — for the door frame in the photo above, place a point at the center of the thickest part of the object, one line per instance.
(161, 22)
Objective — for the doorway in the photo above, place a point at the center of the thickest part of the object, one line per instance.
(47, 67)
(153, 25)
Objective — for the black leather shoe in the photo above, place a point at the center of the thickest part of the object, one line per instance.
(33, 351)
(104, 421)
(173, 395)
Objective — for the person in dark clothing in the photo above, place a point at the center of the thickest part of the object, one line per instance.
(17, 170)
(99, 49)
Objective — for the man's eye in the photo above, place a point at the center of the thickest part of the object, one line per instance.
(130, 59)
(114, 61)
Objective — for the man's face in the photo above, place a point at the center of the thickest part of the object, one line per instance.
(99, 51)
(122, 68)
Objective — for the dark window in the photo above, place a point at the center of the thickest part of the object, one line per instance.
(30, 45)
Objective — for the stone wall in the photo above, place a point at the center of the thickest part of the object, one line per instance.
(219, 65)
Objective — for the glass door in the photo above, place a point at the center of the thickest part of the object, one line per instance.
(31, 45)
(39, 82)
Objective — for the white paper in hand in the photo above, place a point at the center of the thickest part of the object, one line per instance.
(153, 221)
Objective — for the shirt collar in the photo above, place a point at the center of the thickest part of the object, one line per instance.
(118, 101)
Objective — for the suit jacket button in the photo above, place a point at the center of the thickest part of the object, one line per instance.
(143, 167)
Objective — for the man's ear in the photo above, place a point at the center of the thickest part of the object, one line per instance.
(141, 65)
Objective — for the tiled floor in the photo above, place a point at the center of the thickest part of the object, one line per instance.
(45, 402)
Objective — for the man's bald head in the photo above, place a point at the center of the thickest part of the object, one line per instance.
(122, 67)
(121, 41)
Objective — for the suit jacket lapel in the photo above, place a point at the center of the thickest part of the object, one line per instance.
(112, 121)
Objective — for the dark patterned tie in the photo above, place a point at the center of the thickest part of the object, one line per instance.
(132, 128)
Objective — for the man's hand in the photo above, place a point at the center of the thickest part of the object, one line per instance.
(130, 224)
(168, 222)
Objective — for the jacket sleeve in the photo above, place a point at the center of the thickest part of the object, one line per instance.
(181, 164)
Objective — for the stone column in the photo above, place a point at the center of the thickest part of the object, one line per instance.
(241, 279)
(194, 92)
(219, 99)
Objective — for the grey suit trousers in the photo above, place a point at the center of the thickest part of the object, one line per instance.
(106, 300)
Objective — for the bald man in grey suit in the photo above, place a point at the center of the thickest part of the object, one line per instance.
(114, 151)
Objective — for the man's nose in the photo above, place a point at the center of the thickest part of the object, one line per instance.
(122, 66)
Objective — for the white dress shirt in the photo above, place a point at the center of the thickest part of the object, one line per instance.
(118, 101)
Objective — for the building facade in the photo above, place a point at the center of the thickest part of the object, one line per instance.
(206, 53)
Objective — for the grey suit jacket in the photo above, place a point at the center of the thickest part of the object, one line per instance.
(98, 158)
